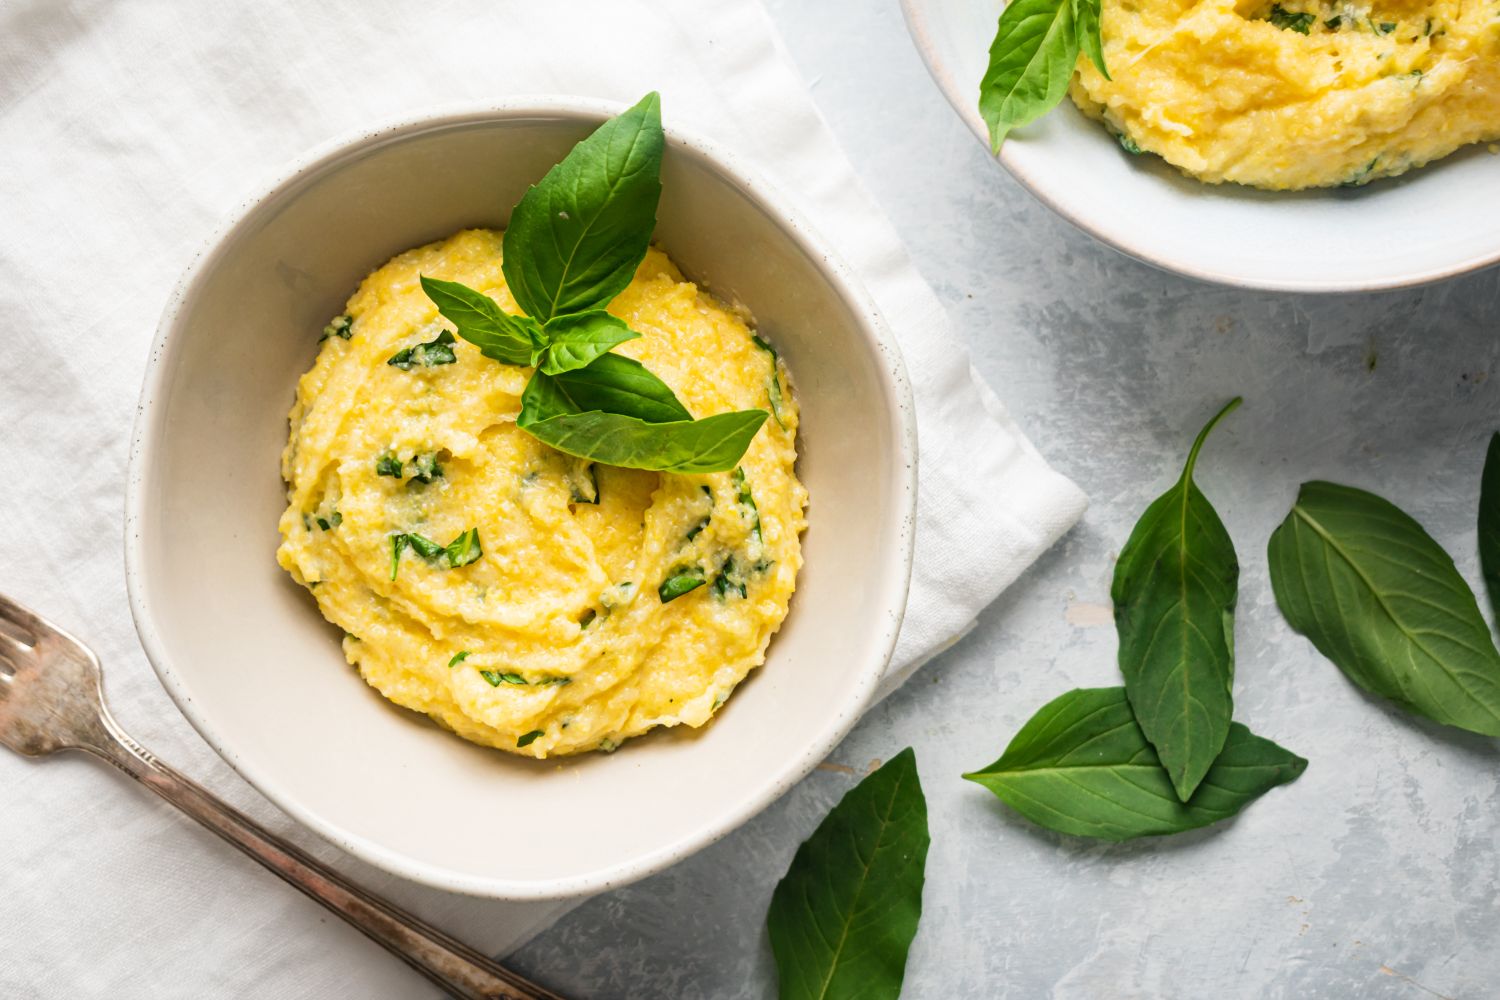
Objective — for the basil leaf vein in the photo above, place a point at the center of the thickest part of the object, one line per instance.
(1082, 766)
(576, 238)
(842, 919)
(1174, 591)
(1382, 600)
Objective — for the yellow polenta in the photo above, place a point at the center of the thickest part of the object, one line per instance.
(558, 629)
(1297, 94)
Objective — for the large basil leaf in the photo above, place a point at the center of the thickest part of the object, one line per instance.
(610, 382)
(574, 341)
(513, 340)
(1031, 61)
(1082, 766)
(1384, 602)
(1174, 591)
(843, 917)
(577, 236)
(1489, 524)
(713, 444)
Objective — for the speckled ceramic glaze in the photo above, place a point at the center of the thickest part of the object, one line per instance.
(1420, 227)
(252, 664)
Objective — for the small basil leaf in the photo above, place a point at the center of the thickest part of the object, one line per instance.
(1031, 61)
(459, 657)
(462, 550)
(526, 739)
(1290, 20)
(713, 444)
(1086, 14)
(1082, 766)
(492, 676)
(438, 351)
(679, 583)
(575, 341)
(388, 465)
(1489, 524)
(843, 917)
(1383, 601)
(340, 326)
(513, 340)
(425, 547)
(1174, 591)
(610, 382)
(576, 238)
(399, 544)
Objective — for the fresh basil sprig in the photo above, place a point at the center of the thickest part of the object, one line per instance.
(1383, 601)
(1083, 766)
(843, 917)
(574, 243)
(1174, 592)
(1032, 59)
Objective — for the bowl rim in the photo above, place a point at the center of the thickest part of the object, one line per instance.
(914, 12)
(902, 489)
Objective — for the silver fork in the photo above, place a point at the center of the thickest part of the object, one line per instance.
(51, 699)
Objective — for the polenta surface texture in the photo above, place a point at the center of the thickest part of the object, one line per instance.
(561, 637)
(1297, 94)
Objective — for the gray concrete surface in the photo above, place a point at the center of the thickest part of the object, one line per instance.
(1376, 874)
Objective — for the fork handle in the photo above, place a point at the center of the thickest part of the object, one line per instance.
(460, 970)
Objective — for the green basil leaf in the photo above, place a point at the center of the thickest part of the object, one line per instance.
(492, 676)
(513, 340)
(1290, 20)
(340, 326)
(713, 444)
(679, 583)
(1082, 766)
(438, 351)
(399, 544)
(388, 465)
(1086, 14)
(1031, 61)
(575, 341)
(1489, 524)
(610, 382)
(458, 657)
(1384, 602)
(526, 739)
(576, 238)
(1174, 591)
(843, 917)
(462, 550)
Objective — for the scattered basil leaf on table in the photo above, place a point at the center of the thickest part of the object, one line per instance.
(575, 341)
(1384, 602)
(1489, 524)
(512, 340)
(576, 238)
(843, 917)
(1082, 766)
(1174, 591)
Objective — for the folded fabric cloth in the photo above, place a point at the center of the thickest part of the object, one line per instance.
(126, 130)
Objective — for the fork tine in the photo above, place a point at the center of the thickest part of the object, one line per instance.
(24, 627)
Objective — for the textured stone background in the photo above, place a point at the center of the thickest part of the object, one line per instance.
(1376, 874)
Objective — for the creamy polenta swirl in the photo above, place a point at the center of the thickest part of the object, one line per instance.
(1301, 93)
(560, 637)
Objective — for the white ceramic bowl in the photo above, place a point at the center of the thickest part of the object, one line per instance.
(252, 664)
(1427, 225)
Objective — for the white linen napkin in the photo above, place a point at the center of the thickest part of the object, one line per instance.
(126, 130)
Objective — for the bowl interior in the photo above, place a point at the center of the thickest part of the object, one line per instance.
(244, 650)
(1407, 230)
